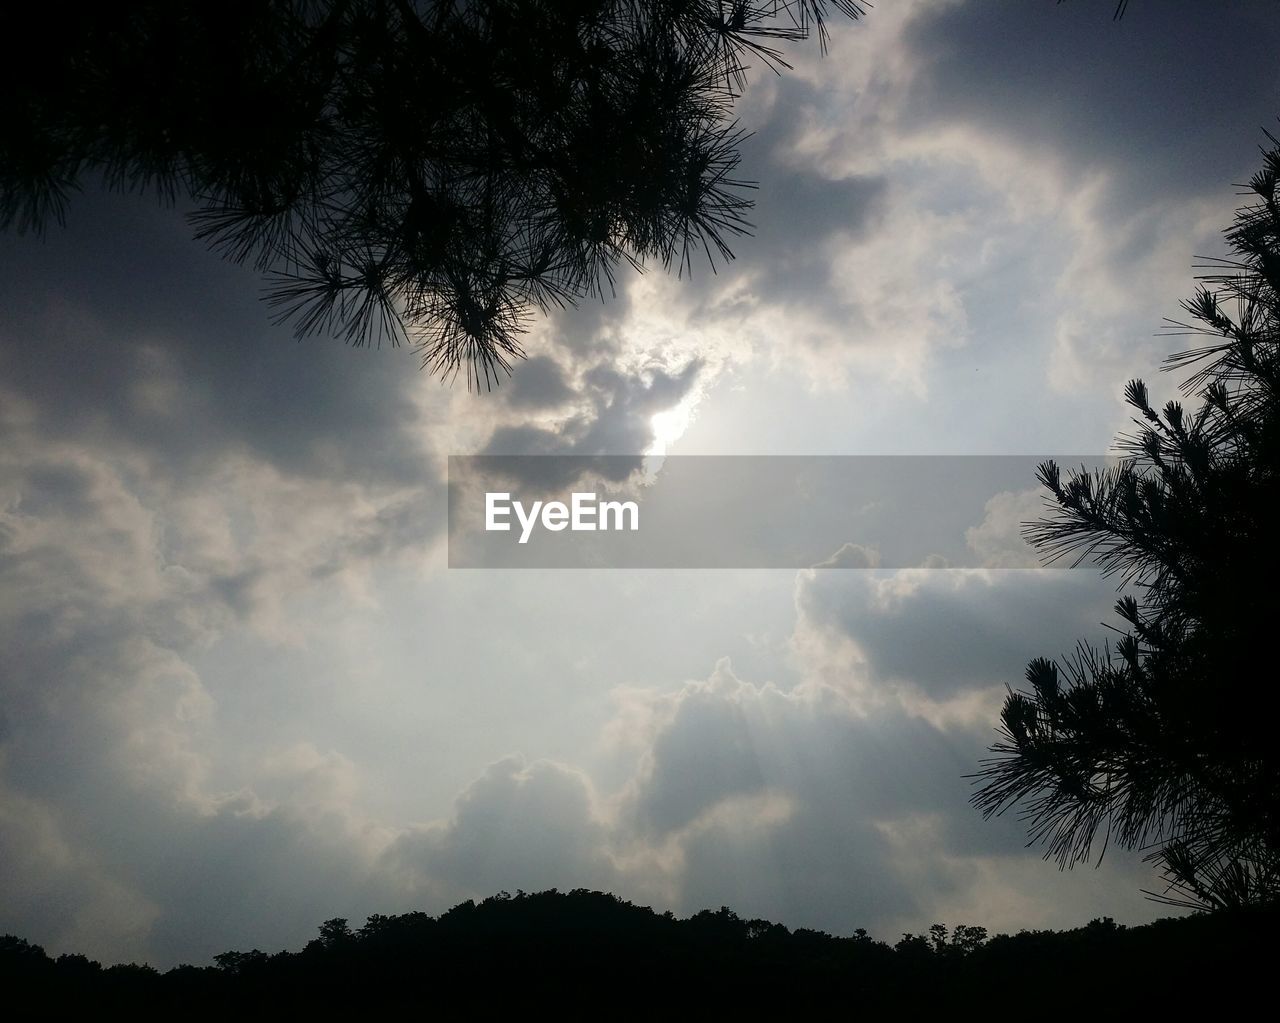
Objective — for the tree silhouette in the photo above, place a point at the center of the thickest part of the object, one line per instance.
(405, 169)
(1167, 742)
(584, 950)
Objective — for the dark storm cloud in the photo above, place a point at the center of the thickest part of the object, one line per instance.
(1156, 97)
(727, 738)
(587, 332)
(539, 384)
(120, 326)
(789, 256)
(529, 826)
(945, 632)
(614, 428)
(212, 873)
(795, 204)
(798, 211)
(805, 208)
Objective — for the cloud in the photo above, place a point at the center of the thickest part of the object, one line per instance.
(852, 555)
(941, 204)
(609, 432)
(124, 843)
(1047, 176)
(532, 826)
(118, 573)
(539, 384)
(173, 471)
(775, 802)
(798, 805)
(617, 419)
(997, 540)
(803, 803)
(56, 888)
(941, 633)
(121, 326)
(1141, 96)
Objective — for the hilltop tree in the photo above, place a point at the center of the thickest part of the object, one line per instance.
(405, 165)
(1166, 741)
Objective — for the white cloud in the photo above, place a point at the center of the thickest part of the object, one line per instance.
(997, 540)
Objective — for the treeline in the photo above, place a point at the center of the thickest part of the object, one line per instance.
(598, 953)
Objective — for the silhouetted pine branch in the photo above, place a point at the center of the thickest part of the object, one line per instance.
(1167, 742)
(406, 168)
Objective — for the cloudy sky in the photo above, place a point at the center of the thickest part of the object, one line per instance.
(242, 692)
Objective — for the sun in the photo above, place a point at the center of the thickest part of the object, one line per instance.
(669, 426)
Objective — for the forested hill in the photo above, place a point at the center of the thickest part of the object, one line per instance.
(592, 951)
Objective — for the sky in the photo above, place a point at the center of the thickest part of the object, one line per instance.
(241, 691)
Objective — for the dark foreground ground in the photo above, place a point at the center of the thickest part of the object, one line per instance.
(590, 953)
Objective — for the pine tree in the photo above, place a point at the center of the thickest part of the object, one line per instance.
(405, 167)
(1166, 741)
